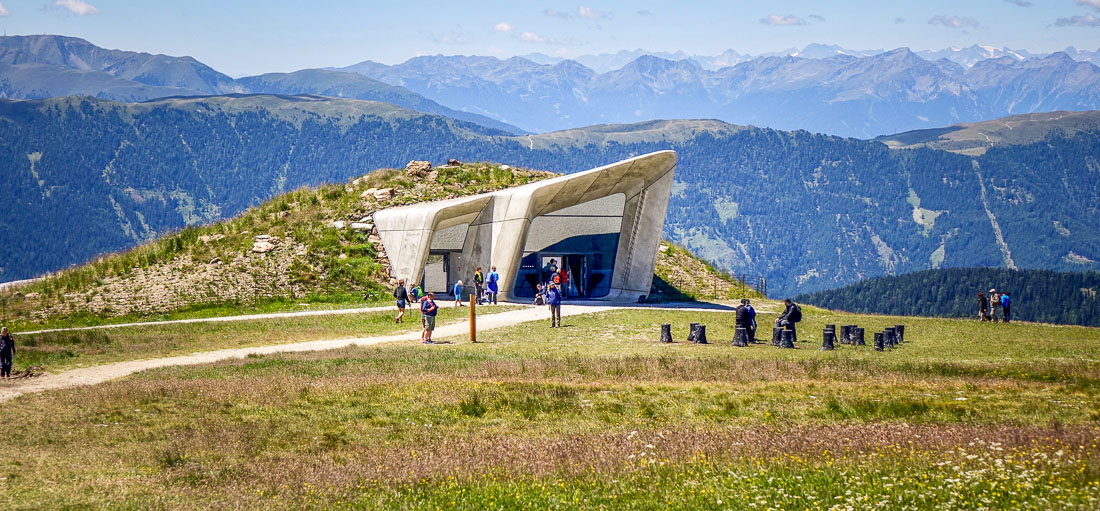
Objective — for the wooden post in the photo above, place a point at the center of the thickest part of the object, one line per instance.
(473, 318)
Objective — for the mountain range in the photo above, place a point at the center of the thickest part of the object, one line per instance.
(44, 66)
(965, 56)
(809, 212)
(860, 96)
(819, 88)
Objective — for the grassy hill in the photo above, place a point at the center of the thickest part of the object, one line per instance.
(975, 138)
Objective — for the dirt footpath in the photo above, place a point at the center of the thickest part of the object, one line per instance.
(106, 372)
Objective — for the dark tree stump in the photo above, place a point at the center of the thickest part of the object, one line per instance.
(878, 341)
(691, 332)
(666, 333)
(787, 339)
(701, 334)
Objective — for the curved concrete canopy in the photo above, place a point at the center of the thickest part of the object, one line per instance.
(499, 223)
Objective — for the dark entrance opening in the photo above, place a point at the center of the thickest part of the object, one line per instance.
(585, 263)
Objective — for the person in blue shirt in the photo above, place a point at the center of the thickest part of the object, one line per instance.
(553, 299)
(750, 322)
(457, 291)
(494, 287)
(429, 309)
(1006, 306)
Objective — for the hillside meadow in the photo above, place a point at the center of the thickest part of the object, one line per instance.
(597, 414)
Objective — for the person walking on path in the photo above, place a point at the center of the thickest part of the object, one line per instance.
(1006, 306)
(458, 293)
(7, 352)
(402, 296)
(983, 307)
(750, 327)
(792, 314)
(494, 284)
(429, 309)
(479, 285)
(553, 299)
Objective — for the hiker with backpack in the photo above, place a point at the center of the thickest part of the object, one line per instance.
(402, 296)
(553, 299)
(428, 309)
(983, 307)
(479, 285)
(792, 314)
(7, 352)
(994, 304)
(494, 285)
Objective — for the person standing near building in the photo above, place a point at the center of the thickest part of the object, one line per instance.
(458, 293)
(7, 352)
(429, 309)
(494, 284)
(564, 282)
(553, 299)
(402, 296)
(479, 285)
(549, 271)
(540, 295)
(1006, 306)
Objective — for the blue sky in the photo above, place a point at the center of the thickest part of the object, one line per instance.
(241, 37)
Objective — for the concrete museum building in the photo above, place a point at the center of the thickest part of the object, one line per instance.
(601, 226)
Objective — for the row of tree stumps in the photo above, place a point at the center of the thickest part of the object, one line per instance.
(784, 338)
(853, 335)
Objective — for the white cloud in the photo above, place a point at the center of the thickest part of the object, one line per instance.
(532, 37)
(78, 7)
(645, 12)
(899, 21)
(1095, 4)
(775, 19)
(953, 21)
(3, 11)
(817, 17)
(554, 13)
(1021, 3)
(590, 13)
(503, 26)
(1087, 20)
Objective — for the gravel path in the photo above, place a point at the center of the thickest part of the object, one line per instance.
(98, 374)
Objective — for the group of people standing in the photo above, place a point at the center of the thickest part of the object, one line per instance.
(995, 307)
(486, 290)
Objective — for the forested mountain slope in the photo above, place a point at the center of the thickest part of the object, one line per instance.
(807, 211)
(1037, 295)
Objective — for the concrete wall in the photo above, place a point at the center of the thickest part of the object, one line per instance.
(499, 222)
